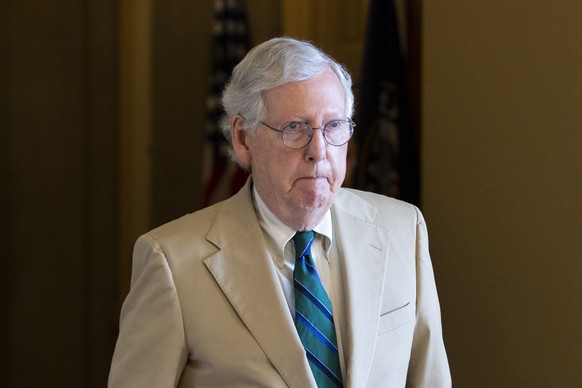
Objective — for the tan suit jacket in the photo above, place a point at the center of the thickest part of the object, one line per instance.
(206, 307)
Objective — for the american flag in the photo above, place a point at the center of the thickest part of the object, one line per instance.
(221, 176)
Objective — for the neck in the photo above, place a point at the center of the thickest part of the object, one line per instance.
(302, 222)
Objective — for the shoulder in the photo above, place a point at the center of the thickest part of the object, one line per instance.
(383, 206)
(191, 225)
(182, 239)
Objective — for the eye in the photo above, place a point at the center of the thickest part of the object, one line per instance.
(293, 126)
(334, 124)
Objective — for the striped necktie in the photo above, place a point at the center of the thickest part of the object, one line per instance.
(313, 316)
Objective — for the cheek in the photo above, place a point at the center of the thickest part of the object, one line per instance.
(260, 153)
(338, 162)
(270, 167)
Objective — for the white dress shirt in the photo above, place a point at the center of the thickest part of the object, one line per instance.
(324, 253)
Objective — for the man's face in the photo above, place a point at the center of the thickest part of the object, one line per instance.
(299, 186)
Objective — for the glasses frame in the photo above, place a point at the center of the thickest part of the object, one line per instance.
(312, 131)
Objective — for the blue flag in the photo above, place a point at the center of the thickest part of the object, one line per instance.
(387, 143)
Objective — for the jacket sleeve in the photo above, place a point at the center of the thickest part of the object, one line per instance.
(428, 362)
(151, 349)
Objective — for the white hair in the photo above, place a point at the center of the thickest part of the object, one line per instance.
(273, 63)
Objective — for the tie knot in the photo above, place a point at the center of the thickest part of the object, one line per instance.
(302, 241)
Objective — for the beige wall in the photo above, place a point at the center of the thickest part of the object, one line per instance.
(502, 187)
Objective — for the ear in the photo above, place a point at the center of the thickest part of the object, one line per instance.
(239, 140)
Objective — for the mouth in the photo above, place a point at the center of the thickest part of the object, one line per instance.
(311, 180)
(315, 177)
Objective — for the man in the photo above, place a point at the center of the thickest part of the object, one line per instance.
(222, 297)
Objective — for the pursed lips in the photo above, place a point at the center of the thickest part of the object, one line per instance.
(311, 179)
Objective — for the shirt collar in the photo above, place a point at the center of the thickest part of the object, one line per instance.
(279, 233)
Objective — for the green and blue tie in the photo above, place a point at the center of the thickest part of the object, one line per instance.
(313, 316)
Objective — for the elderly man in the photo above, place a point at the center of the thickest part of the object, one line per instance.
(294, 281)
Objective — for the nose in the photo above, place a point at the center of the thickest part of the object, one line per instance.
(316, 150)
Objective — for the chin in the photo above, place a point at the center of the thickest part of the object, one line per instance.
(317, 201)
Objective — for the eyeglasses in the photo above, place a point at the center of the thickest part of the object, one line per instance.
(296, 135)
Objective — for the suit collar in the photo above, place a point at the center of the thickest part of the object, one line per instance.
(244, 270)
(233, 219)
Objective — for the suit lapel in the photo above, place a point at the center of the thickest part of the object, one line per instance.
(244, 271)
(363, 251)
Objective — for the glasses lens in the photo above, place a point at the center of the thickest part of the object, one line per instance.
(296, 135)
(338, 132)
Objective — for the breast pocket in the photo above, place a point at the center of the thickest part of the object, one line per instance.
(394, 319)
